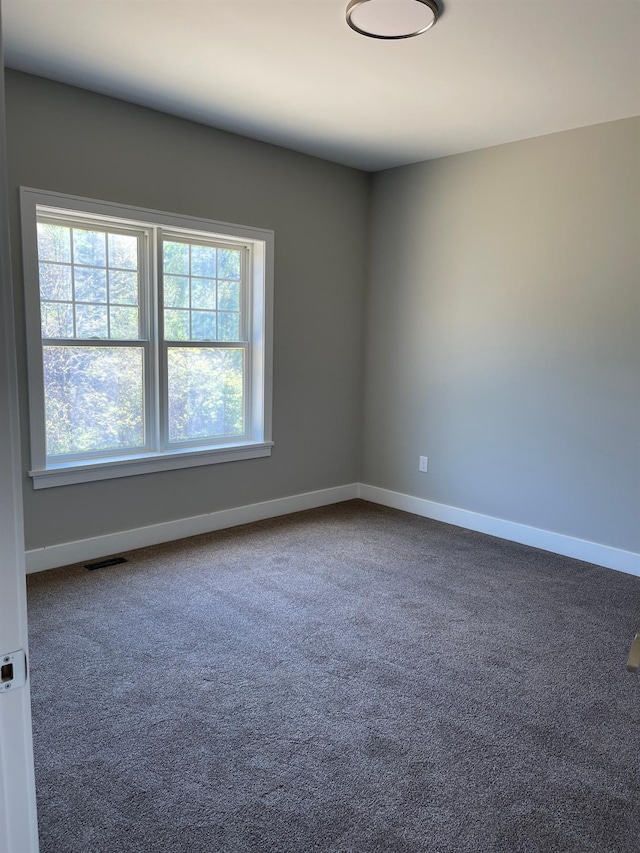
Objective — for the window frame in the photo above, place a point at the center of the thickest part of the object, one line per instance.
(158, 454)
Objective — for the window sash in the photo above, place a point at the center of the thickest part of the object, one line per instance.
(205, 441)
(148, 402)
(168, 236)
(143, 270)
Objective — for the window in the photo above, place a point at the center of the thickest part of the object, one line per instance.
(149, 339)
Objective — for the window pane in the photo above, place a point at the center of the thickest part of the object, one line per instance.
(228, 295)
(123, 251)
(55, 282)
(228, 263)
(175, 258)
(206, 393)
(203, 293)
(54, 243)
(89, 247)
(176, 325)
(228, 326)
(91, 284)
(123, 323)
(94, 288)
(91, 321)
(123, 287)
(93, 398)
(57, 320)
(203, 326)
(203, 261)
(176, 291)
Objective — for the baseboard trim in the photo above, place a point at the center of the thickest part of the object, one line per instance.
(41, 559)
(558, 543)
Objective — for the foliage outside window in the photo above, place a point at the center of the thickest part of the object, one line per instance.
(149, 341)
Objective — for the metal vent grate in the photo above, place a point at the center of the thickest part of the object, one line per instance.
(102, 564)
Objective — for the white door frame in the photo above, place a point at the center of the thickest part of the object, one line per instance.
(18, 819)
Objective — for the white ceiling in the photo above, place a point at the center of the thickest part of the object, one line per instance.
(291, 72)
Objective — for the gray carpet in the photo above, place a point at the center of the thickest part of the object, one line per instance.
(349, 679)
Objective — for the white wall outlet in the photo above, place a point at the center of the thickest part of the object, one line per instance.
(424, 464)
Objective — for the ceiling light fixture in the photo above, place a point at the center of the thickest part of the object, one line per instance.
(391, 19)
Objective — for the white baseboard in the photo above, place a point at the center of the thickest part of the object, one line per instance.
(82, 550)
(558, 543)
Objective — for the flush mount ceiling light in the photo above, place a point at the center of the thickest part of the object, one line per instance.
(391, 19)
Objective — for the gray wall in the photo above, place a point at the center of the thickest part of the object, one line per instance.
(502, 317)
(503, 332)
(69, 140)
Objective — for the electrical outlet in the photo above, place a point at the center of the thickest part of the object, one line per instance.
(424, 464)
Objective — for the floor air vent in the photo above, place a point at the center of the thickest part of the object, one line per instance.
(102, 564)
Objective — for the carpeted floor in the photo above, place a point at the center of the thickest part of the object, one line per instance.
(347, 680)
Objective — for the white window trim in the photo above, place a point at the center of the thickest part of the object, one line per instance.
(45, 474)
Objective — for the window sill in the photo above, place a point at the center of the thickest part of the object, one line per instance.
(145, 463)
